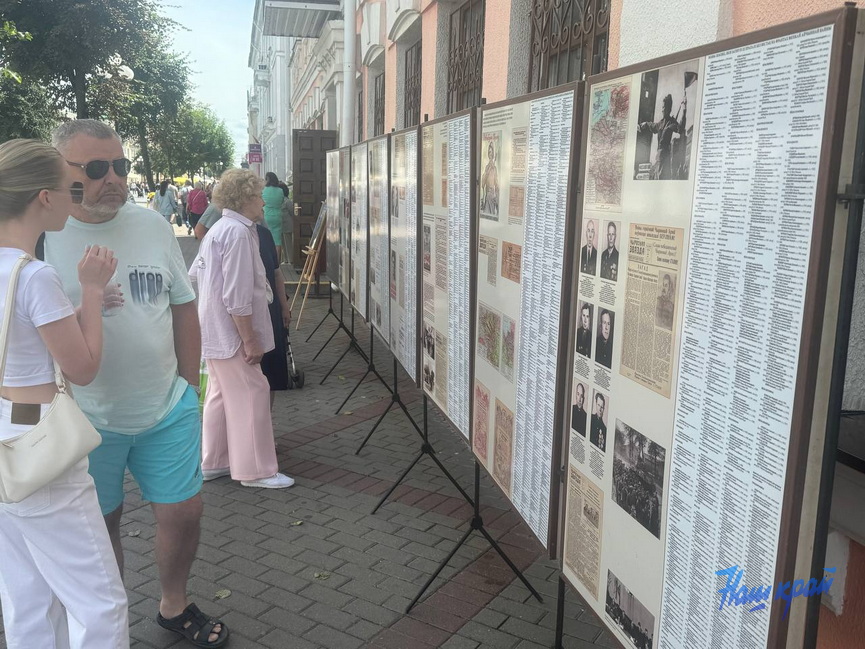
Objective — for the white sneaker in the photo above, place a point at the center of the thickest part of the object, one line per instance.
(277, 481)
(213, 474)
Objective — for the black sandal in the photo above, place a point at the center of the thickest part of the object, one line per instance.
(195, 627)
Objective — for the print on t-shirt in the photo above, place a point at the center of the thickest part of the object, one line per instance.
(145, 283)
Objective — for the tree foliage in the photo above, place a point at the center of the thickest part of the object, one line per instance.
(195, 142)
(74, 43)
(9, 34)
(25, 110)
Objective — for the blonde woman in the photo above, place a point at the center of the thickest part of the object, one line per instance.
(237, 432)
(59, 581)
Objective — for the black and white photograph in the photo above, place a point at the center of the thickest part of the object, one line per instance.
(427, 247)
(665, 309)
(578, 408)
(629, 614)
(665, 122)
(584, 328)
(428, 340)
(638, 476)
(429, 376)
(589, 249)
(610, 255)
(604, 339)
(378, 315)
(600, 415)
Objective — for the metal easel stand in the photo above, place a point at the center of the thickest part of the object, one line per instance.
(395, 400)
(476, 523)
(560, 615)
(352, 342)
(370, 368)
(425, 449)
(330, 312)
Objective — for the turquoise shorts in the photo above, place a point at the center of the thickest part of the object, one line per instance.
(164, 460)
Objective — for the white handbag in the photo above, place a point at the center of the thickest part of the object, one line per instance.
(62, 438)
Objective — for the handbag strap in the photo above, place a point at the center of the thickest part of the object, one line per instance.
(23, 260)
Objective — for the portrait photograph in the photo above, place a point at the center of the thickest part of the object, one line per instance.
(665, 309)
(610, 234)
(604, 338)
(638, 476)
(589, 247)
(579, 403)
(666, 117)
(585, 320)
(600, 414)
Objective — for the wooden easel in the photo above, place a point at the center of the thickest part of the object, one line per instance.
(309, 266)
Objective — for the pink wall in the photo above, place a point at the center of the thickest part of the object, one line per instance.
(429, 28)
(615, 34)
(497, 27)
(751, 15)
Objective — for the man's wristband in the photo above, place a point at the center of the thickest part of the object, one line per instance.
(197, 389)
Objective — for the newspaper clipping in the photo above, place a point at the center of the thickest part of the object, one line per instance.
(583, 549)
(654, 269)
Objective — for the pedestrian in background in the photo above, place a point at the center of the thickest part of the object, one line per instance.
(197, 204)
(184, 212)
(60, 586)
(236, 332)
(164, 202)
(273, 197)
(144, 400)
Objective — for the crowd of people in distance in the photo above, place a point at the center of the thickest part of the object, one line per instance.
(637, 496)
(102, 281)
(642, 638)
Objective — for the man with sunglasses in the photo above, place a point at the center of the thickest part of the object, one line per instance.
(144, 400)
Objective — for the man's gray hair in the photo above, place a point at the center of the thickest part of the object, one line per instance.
(61, 135)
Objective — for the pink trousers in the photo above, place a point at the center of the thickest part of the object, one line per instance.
(237, 431)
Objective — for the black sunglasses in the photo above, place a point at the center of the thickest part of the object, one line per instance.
(96, 169)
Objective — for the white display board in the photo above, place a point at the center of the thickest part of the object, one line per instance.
(404, 251)
(359, 228)
(345, 222)
(334, 209)
(693, 253)
(446, 176)
(523, 164)
(379, 237)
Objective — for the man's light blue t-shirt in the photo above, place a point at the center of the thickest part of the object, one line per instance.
(137, 384)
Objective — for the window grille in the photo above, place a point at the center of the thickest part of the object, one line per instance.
(466, 56)
(411, 109)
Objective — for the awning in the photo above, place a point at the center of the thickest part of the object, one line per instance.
(303, 19)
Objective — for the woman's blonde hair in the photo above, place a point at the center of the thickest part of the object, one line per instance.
(26, 168)
(236, 188)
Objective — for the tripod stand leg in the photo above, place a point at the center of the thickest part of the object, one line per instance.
(338, 361)
(372, 430)
(397, 483)
(450, 477)
(560, 616)
(357, 385)
(510, 563)
(318, 326)
(438, 570)
(336, 331)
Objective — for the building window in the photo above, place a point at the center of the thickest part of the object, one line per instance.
(378, 106)
(411, 110)
(569, 41)
(358, 135)
(466, 56)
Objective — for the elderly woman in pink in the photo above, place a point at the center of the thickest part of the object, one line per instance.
(235, 334)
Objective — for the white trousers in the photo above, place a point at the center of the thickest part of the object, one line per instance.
(60, 586)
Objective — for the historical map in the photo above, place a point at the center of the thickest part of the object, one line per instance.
(608, 127)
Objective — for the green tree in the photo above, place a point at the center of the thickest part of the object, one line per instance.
(196, 142)
(75, 42)
(9, 34)
(25, 110)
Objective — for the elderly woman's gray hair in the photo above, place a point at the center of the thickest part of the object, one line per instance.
(199, 184)
(236, 188)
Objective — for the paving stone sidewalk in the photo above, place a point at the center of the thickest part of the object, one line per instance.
(312, 567)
